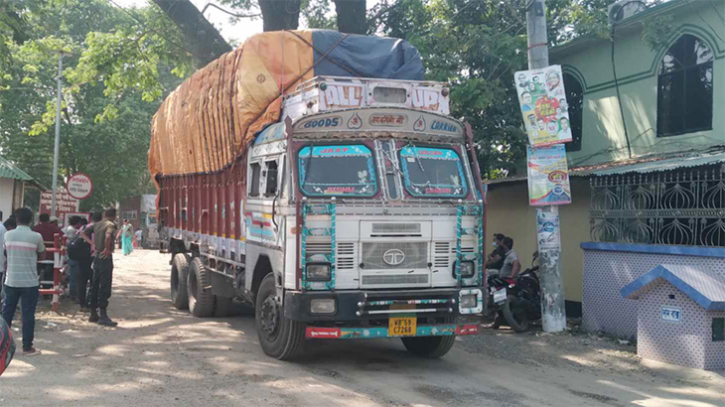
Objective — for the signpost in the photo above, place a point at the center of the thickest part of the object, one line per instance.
(79, 186)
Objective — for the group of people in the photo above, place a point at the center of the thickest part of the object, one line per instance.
(90, 247)
(503, 260)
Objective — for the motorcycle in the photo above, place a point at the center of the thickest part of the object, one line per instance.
(515, 300)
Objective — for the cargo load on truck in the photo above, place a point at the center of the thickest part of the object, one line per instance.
(208, 121)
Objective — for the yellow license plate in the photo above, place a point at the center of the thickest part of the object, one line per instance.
(406, 326)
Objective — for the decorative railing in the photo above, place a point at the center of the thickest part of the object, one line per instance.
(684, 207)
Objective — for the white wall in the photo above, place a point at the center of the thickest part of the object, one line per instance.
(6, 196)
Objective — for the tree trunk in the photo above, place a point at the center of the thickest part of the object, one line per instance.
(204, 41)
(351, 18)
(280, 14)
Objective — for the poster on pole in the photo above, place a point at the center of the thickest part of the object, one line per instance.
(79, 186)
(548, 233)
(543, 106)
(548, 176)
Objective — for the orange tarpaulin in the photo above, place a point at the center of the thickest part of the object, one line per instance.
(211, 118)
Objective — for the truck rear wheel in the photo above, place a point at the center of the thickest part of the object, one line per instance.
(280, 337)
(429, 346)
(179, 276)
(201, 299)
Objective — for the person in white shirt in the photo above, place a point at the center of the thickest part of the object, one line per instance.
(139, 238)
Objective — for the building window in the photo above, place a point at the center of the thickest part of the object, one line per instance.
(718, 329)
(684, 88)
(575, 102)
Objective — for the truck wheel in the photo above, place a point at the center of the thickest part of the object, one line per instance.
(201, 300)
(280, 337)
(179, 276)
(222, 307)
(429, 346)
(515, 315)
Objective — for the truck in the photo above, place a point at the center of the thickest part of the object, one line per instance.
(140, 210)
(358, 214)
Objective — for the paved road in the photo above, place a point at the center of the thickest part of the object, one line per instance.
(159, 356)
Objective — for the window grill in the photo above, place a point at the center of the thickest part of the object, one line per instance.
(685, 207)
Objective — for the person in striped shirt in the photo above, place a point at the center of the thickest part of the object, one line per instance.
(22, 246)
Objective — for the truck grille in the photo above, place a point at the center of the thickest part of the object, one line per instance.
(414, 255)
(395, 279)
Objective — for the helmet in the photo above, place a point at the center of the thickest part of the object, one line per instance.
(7, 346)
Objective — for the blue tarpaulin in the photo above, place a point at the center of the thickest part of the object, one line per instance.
(363, 56)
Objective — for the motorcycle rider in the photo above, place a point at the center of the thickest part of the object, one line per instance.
(511, 265)
(495, 259)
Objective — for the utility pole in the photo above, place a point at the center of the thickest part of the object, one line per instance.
(56, 146)
(553, 314)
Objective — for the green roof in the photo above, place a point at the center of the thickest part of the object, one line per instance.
(9, 170)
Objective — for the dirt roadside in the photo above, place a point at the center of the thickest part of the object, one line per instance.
(159, 356)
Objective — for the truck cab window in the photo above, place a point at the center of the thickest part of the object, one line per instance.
(271, 184)
(254, 184)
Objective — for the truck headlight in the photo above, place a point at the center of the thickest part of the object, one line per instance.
(467, 269)
(318, 271)
(469, 301)
(323, 306)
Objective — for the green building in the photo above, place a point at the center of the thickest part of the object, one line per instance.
(648, 124)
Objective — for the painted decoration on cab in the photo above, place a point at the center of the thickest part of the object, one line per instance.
(427, 99)
(355, 122)
(419, 124)
(343, 96)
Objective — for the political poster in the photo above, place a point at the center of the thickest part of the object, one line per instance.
(543, 106)
(548, 176)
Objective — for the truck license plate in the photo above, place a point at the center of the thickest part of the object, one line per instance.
(499, 296)
(402, 326)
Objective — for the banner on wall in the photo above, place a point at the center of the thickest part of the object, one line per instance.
(548, 176)
(543, 106)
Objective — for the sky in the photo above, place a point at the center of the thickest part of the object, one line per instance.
(233, 33)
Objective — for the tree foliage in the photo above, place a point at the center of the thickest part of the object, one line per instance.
(476, 46)
(112, 70)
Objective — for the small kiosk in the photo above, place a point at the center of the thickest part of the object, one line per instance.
(680, 315)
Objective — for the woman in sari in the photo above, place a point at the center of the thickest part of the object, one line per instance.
(126, 235)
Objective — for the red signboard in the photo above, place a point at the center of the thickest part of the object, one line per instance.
(64, 203)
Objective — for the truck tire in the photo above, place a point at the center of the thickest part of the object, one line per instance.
(429, 346)
(179, 276)
(201, 299)
(223, 307)
(515, 315)
(279, 337)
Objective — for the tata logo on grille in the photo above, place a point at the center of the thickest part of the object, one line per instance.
(393, 257)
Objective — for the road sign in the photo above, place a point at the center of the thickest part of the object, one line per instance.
(79, 186)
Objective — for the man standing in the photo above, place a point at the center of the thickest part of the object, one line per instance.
(495, 259)
(70, 233)
(103, 235)
(22, 246)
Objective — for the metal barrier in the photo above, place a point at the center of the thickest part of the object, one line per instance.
(58, 251)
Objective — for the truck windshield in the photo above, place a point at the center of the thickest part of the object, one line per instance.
(433, 172)
(337, 170)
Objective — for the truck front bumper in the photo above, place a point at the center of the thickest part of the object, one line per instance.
(365, 314)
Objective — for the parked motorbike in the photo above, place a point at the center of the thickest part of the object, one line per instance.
(515, 300)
